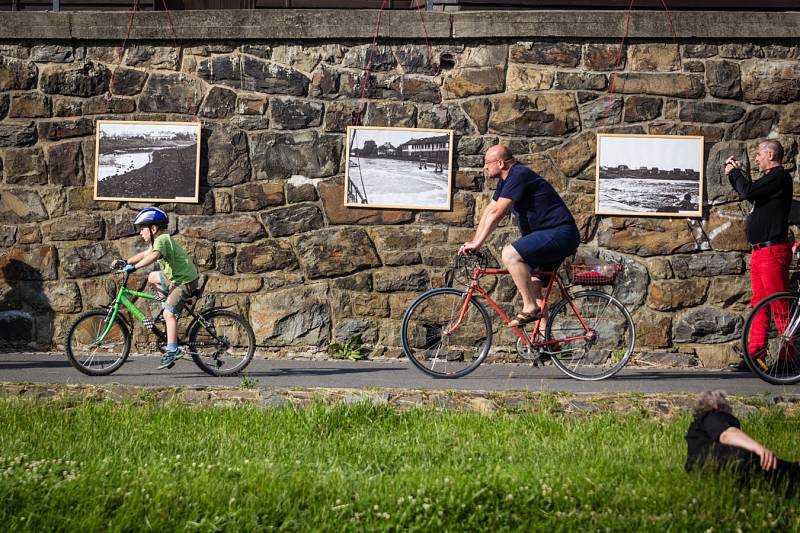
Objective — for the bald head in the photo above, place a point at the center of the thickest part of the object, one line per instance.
(499, 151)
(775, 147)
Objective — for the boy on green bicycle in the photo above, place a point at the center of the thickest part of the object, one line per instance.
(177, 279)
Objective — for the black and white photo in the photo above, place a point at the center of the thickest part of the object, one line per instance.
(657, 175)
(398, 168)
(147, 161)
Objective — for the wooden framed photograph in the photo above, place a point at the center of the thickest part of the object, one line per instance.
(147, 161)
(649, 175)
(404, 168)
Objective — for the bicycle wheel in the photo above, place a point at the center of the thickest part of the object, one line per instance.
(221, 343)
(443, 338)
(95, 358)
(601, 351)
(774, 324)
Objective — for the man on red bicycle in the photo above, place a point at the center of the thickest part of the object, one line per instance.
(549, 232)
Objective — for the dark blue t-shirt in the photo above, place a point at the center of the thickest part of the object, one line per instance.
(537, 205)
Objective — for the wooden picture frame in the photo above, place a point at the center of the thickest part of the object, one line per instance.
(142, 161)
(399, 168)
(649, 175)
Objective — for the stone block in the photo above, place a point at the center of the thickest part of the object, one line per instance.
(21, 206)
(257, 195)
(86, 79)
(478, 109)
(706, 325)
(646, 237)
(127, 81)
(549, 114)
(29, 263)
(707, 264)
(711, 112)
(524, 78)
(290, 114)
(603, 57)
(673, 294)
(290, 317)
(74, 227)
(29, 105)
(219, 103)
(228, 156)
(770, 82)
(276, 155)
(545, 53)
(641, 108)
(65, 164)
(575, 154)
(723, 79)
(467, 82)
(653, 57)
(660, 84)
(252, 74)
(401, 279)
(88, 260)
(293, 219)
(266, 255)
(335, 252)
(153, 57)
(171, 93)
(580, 81)
(231, 228)
(25, 166)
(17, 134)
(17, 75)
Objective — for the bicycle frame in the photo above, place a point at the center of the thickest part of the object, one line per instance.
(475, 287)
(122, 298)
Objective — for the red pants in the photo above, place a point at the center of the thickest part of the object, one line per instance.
(769, 273)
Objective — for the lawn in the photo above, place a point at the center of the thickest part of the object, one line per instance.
(99, 466)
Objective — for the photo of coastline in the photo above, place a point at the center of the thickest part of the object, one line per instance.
(656, 175)
(152, 161)
(398, 168)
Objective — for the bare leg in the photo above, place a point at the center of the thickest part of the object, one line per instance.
(530, 291)
(170, 321)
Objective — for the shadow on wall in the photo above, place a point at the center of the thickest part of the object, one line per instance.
(26, 317)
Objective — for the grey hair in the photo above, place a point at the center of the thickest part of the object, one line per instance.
(711, 401)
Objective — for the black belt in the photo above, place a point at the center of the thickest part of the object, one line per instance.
(759, 245)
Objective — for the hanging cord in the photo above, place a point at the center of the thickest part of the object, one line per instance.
(365, 80)
(124, 47)
(436, 70)
(121, 53)
(363, 192)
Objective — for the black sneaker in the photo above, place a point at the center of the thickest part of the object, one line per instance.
(739, 366)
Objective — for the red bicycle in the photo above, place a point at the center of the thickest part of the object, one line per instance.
(589, 335)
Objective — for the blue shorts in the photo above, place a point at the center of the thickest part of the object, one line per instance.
(545, 249)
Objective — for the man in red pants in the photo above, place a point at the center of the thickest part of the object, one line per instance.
(767, 232)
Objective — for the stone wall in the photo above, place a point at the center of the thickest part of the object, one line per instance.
(275, 92)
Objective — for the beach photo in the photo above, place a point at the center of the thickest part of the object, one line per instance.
(147, 161)
(404, 168)
(649, 175)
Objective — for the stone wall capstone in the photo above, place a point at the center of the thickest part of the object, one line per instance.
(271, 230)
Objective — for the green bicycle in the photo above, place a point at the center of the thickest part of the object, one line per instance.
(220, 342)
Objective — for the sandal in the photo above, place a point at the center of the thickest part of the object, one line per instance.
(526, 318)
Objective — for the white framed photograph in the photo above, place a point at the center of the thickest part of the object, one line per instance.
(404, 168)
(649, 175)
(147, 161)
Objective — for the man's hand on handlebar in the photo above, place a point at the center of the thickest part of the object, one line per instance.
(468, 248)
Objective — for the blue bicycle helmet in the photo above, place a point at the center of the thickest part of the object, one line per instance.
(151, 215)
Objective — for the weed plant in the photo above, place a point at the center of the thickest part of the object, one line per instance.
(103, 467)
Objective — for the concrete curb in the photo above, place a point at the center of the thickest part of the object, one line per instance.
(569, 404)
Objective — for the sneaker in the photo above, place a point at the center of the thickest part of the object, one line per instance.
(168, 361)
(739, 366)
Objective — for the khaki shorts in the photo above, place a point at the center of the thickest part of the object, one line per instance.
(176, 294)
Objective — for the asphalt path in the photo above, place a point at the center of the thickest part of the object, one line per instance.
(399, 374)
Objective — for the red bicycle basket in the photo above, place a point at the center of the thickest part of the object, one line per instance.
(598, 274)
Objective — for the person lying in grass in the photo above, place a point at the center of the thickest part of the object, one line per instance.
(716, 442)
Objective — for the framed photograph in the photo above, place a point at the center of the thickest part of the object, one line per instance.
(406, 168)
(649, 175)
(147, 161)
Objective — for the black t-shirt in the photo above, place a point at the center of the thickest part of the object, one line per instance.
(771, 197)
(702, 438)
(537, 205)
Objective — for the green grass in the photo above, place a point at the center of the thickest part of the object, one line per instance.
(100, 466)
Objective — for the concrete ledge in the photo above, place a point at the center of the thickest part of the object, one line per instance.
(405, 25)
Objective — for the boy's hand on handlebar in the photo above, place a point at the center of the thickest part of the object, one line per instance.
(118, 264)
(129, 268)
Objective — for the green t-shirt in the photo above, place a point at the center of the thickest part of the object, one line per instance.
(175, 262)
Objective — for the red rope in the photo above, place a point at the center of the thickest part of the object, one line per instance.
(368, 70)
(121, 53)
(430, 60)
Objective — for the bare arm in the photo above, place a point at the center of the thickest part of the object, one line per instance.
(142, 259)
(736, 437)
(492, 215)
